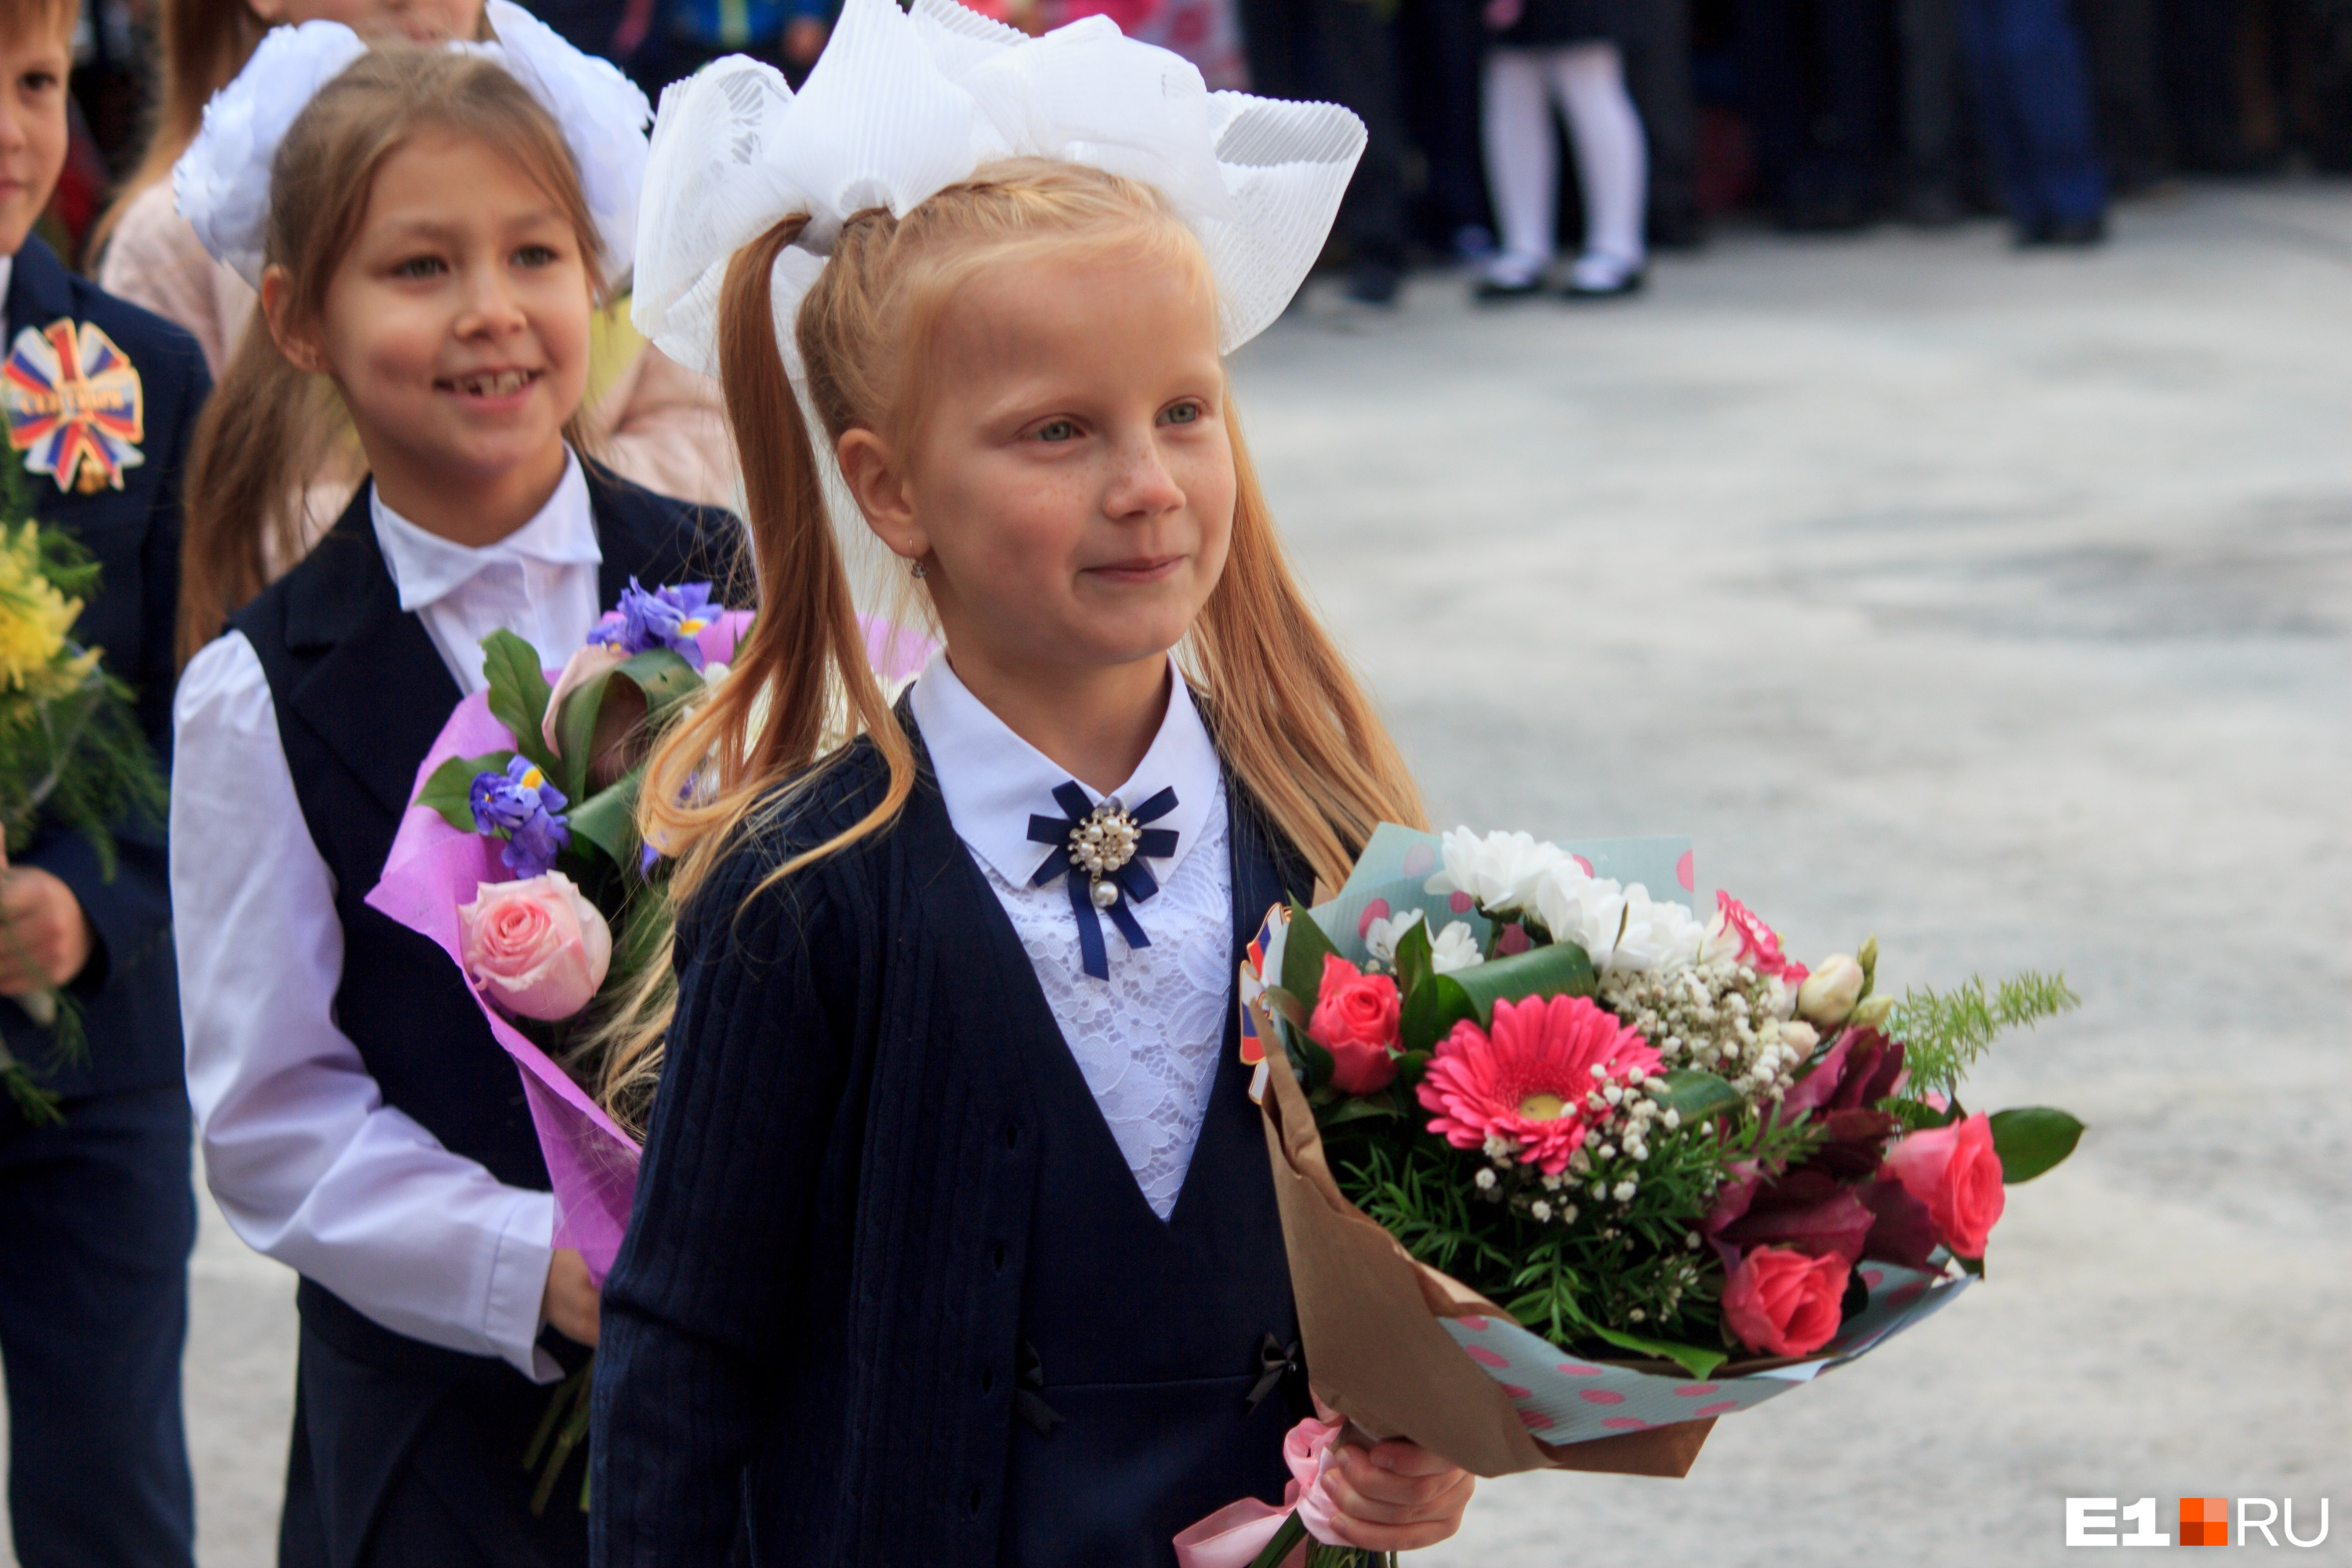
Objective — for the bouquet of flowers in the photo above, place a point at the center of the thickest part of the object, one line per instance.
(71, 753)
(521, 856)
(1567, 1172)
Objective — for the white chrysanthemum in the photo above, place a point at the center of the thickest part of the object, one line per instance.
(1501, 871)
(1656, 934)
(1450, 949)
(1577, 906)
(1382, 932)
(1454, 948)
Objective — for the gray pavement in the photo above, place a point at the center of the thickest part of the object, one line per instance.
(1999, 605)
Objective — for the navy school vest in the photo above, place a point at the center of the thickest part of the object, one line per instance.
(361, 693)
(1148, 1396)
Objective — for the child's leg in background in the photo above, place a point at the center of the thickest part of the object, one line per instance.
(1522, 167)
(1612, 158)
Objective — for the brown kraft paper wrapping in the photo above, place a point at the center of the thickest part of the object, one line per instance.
(1368, 1314)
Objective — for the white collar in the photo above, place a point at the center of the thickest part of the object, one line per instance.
(428, 568)
(992, 781)
(7, 273)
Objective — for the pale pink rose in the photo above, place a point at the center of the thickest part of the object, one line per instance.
(1955, 1172)
(1783, 1302)
(536, 947)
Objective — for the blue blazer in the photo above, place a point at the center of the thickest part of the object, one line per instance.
(130, 993)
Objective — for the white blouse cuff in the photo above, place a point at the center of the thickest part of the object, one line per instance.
(518, 1266)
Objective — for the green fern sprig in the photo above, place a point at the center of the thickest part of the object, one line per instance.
(1943, 1033)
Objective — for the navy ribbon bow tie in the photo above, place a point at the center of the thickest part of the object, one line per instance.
(1103, 850)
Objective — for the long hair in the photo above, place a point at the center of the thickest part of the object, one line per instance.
(204, 43)
(269, 426)
(1291, 719)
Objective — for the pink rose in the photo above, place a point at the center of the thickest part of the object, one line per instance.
(1783, 1302)
(1956, 1172)
(537, 947)
(1356, 1020)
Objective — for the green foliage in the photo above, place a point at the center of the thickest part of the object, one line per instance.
(608, 820)
(2031, 1138)
(450, 789)
(1944, 1034)
(518, 693)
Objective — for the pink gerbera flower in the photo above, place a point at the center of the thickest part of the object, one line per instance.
(1528, 1080)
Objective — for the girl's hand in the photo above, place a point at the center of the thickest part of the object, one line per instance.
(570, 1305)
(1395, 1497)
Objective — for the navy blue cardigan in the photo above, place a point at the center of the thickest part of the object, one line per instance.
(828, 1246)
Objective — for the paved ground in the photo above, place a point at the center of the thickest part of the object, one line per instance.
(2001, 606)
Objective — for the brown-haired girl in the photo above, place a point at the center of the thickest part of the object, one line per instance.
(430, 239)
(652, 421)
(955, 1240)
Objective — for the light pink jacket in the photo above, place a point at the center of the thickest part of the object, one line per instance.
(658, 423)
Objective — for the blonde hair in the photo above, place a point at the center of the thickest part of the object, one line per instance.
(1290, 719)
(268, 427)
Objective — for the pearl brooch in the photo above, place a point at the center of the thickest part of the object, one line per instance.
(1101, 842)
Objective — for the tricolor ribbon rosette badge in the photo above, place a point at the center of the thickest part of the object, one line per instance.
(73, 405)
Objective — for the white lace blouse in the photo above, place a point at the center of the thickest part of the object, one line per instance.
(1146, 1040)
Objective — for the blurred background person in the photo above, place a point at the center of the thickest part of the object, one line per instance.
(1440, 47)
(1659, 72)
(2034, 105)
(1563, 51)
(662, 41)
(1342, 51)
(1814, 73)
(1929, 33)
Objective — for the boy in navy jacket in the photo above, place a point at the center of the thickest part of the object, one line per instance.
(97, 1213)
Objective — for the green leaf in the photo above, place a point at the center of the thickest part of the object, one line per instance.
(518, 693)
(1692, 1359)
(1696, 1096)
(450, 790)
(1414, 966)
(2031, 1138)
(1318, 1062)
(608, 819)
(1560, 969)
(575, 726)
(664, 677)
(1971, 1265)
(1358, 1109)
(1302, 953)
(1432, 1009)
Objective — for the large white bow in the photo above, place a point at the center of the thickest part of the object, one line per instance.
(221, 183)
(903, 104)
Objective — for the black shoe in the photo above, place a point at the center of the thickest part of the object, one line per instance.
(1489, 291)
(1373, 282)
(2068, 233)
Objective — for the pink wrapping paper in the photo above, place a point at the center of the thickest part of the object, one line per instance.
(433, 867)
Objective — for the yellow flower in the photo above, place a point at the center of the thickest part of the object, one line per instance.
(33, 618)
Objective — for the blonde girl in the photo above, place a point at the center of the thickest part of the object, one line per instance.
(434, 249)
(652, 421)
(955, 1238)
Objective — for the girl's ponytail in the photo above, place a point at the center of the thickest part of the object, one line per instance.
(266, 430)
(801, 679)
(1292, 720)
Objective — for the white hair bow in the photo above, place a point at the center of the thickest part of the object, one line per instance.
(904, 104)
(221, 185)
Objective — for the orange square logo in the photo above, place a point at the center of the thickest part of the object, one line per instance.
(2204, 1521)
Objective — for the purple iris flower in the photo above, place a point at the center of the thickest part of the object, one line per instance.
(525, 804)
(667, 617)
